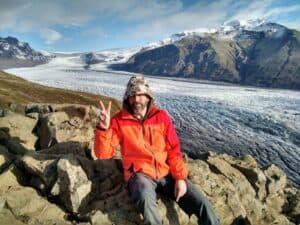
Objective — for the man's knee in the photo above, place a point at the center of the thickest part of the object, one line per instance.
(141, 187)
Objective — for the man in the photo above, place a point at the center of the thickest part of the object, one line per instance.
(151, 155)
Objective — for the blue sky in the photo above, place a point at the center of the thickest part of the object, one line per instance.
(92, 25)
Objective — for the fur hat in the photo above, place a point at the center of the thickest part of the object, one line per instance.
(137, 85)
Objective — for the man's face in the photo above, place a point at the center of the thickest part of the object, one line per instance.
(138, 103)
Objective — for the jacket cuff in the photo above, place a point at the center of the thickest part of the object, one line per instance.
(100, 128)
(182, 176)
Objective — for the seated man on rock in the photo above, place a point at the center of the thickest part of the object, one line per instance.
(151, 154)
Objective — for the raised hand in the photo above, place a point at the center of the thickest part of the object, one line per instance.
(104, 117)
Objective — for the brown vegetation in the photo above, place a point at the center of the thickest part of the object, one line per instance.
(16, 92)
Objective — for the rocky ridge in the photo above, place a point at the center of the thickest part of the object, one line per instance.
(49, 175)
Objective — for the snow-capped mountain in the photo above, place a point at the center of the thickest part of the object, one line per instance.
(100, 59)
(249, 52)
(234, 30)
(178, 36)
(11, 47)
(237, 30)
(92, 58)
(240, 30)
(14, 53)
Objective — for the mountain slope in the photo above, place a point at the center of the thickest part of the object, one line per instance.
(264, 54)
(274, 62)
(14, 53)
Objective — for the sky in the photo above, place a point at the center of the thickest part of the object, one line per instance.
(94, 25)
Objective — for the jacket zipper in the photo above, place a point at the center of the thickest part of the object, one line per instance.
(150, 132)
(153, 155)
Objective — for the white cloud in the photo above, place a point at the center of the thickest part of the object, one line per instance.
(264, 9)
(200, 15)
(256, 9)
(151, 9)
(50, 36)
(283, 10)
(30, 16)
(292, 24)
(96, 31)
(9, 12)
(7, 21)
(147, 18)
(37, 14)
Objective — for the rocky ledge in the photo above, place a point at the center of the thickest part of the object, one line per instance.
(49, 175)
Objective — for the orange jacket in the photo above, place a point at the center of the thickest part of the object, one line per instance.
(151, 146)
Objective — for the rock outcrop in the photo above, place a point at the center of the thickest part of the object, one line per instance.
(59, 181)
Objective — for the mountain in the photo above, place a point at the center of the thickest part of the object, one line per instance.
(14, 53)
(98, 60)
(253, 52)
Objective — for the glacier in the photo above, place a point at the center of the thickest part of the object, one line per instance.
(208, 116)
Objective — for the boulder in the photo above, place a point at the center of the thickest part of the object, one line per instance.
(277, 181)
(48, 126)
(69, 147)
(85, 113)
(11, 177)
(5, 158)
(23, 205)
(72, 186)
(42, 169)
(7, 217)
(65, 123)
(20, 129)
(292, 206)
(12, 144)
(26, 204)
(38, 108)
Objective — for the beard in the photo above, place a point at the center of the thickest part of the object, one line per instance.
(137, 107)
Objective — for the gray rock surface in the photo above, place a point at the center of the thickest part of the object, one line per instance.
(72, 186)
(23, 205)
(20, 127)
(64, 122)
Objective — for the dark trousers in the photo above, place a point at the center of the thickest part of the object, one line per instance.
(143, 192)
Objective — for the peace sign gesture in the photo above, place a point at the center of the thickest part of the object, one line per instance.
(104, 117)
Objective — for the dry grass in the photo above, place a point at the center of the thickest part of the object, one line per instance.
(19, 92)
